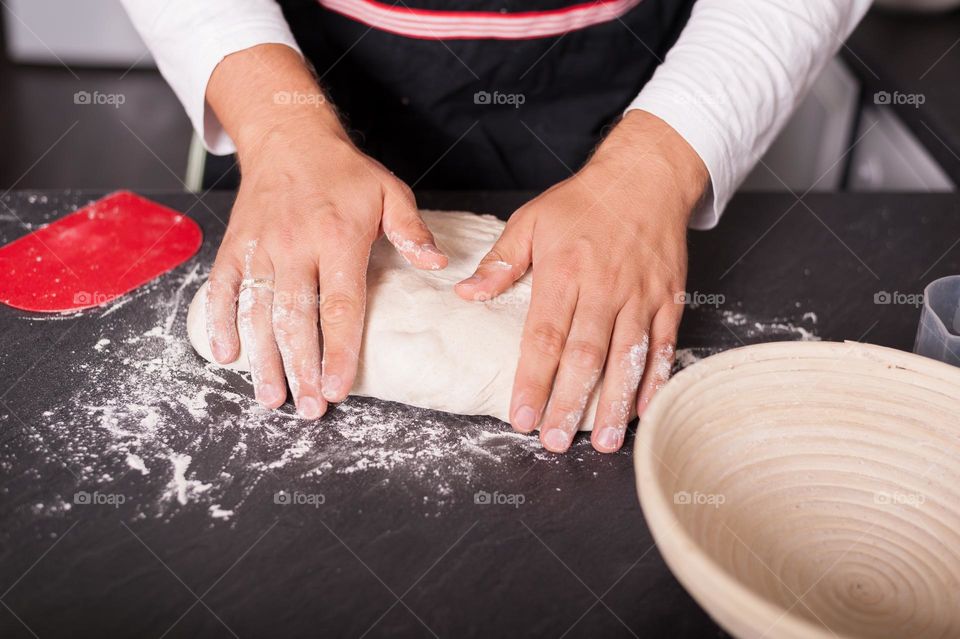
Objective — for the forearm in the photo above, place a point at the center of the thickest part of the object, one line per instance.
(264, 88)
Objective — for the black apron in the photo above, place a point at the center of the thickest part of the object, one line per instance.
(514, 100)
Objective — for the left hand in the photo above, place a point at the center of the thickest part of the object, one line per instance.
(609, 248)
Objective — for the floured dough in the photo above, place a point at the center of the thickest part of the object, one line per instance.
(423, 345)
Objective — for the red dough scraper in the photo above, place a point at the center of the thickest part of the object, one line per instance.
(95, 254)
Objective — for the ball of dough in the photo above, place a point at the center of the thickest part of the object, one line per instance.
(422, 344)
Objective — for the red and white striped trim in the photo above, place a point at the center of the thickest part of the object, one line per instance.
(428, 24)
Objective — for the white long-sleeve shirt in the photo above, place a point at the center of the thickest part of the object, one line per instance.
(727, 86)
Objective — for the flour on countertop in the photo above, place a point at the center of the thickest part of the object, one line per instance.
(744, 329)
(168, 413)
(190, 435)
(136, 462)
(180, 487)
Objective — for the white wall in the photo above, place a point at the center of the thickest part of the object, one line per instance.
(82, 32)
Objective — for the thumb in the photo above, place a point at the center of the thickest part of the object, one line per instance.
(506, 262)
(406, 230)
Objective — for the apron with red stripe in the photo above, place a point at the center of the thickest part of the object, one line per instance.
(483, 94)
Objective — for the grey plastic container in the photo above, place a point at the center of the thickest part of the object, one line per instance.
(939, 334)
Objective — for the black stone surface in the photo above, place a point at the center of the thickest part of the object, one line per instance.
(384, 555)
(916, 54)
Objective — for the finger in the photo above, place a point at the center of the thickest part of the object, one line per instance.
(580, 367)
(406, 230)
(221, 310)
(663, 339)
(256, 330)
(541, 345)
(342, 302)
(295, 327)
(621, 378)
(506, 262)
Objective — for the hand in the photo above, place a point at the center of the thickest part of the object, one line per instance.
(608, 246)
(309, 207)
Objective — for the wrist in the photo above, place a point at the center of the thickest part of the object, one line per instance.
(644, 145)
(268, 93)
(260, 137)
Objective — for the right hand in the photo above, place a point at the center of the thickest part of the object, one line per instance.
(309, 207)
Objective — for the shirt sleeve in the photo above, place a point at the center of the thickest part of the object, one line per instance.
(189, 38)
(735, 75)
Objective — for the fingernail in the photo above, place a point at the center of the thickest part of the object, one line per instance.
(431, 248)
(556, 440)
(268, 394)
(331, 386)
(219, 350)
(609, 438)
(525, 419)
(308, 408)
(473, 279)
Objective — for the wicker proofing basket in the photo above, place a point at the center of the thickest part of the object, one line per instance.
(810, 489)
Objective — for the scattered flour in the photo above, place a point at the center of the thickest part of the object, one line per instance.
(184, 489)
(220, 513)
(190, 436)
(136, 462)
(743, 329)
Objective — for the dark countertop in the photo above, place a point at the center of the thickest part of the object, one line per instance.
(398, 546)
(914, 54)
